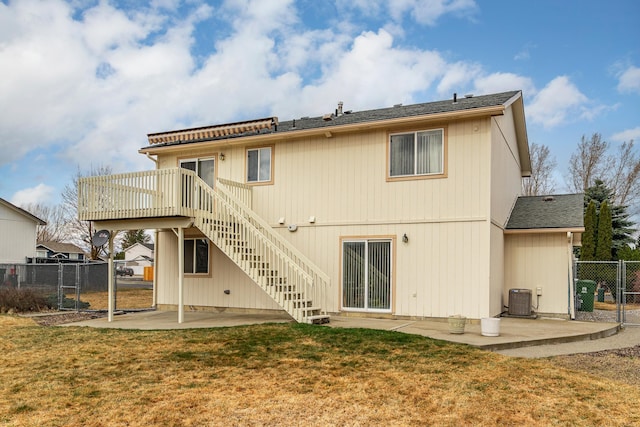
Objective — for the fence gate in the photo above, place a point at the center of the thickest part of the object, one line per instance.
(630, 293)
(616, 283)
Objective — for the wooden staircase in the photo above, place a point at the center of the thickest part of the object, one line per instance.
(267, 258)
(225, 216)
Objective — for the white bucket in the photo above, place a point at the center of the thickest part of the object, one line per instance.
(490, 326)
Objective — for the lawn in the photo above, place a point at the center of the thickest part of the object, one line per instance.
(286, 374)
(125, 299)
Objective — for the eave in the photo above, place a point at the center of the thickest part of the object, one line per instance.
(331, 131)
(544, 230)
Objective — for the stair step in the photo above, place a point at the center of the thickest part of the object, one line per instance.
(318, 319)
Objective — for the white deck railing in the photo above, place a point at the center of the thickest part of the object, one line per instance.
(224, 216)
(157, 193)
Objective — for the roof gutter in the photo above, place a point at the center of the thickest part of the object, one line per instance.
(329, 131)
(544, 230)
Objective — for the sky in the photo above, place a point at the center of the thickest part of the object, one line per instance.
(82, 82)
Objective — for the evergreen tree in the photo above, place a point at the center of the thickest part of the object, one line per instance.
(588, 250)
(605, 233)
(131, 237)
(621, 225)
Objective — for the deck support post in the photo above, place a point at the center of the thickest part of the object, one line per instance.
(111, 278)
(180, 275)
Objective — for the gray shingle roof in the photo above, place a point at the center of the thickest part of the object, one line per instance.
(462, 104)
(557, 211)
(61, 247)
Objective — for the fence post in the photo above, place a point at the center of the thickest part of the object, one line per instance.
(60, 287)
(619, 287)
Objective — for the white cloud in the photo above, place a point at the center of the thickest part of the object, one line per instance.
(627, 135)
(629, 80)
(502, 82)
(426, 12)
(97, 84)
(42, 194)
(558, 102)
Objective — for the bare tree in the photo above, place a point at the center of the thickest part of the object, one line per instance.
(587, 163)
(542, 165)
(55, 229)
(623, 173)
(81, 232)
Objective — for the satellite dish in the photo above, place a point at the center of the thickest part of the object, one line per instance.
(100, 237)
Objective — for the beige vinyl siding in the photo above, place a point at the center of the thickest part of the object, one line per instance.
(506, 177)
(345, 188)
(496, 297)
(539, 260)
(444, 269)
(18, 236)
(506, 186)
(207, 290)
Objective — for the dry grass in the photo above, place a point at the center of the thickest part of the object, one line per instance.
(611, 306)
(286, 374)
(125, 299)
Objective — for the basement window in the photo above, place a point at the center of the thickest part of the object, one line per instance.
(196, 256)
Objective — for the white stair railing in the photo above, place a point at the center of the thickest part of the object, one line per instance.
(224, 215)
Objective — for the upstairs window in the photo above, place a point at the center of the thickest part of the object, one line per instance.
(259, 165)
(416, 154)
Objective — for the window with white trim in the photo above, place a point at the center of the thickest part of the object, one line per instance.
(416, 153)
(196, 256)
(259, 165)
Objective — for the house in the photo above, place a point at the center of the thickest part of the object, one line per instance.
(398, 212)
(18, 234)
(138, 256)
(58, 252)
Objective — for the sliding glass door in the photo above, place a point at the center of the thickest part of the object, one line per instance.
(366, 275)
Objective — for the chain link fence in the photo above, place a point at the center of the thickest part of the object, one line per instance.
(616, 284)
(81, 286)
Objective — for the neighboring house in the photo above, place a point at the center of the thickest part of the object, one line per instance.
(401, 211)
(18, 234)
(56, 252)
(138, 256)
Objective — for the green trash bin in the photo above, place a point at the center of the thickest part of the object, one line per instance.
(586, 290)
(600, 294)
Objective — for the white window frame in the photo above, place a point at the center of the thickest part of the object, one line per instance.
(260, 151)
(367, 241)
(440, 173)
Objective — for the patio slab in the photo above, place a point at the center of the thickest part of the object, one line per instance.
(518, 337)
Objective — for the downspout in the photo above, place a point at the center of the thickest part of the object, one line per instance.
(152, 159)
(571, 287)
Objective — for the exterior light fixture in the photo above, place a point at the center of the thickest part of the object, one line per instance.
(221, 157)
(405, 238)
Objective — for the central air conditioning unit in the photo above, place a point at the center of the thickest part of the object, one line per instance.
(520, 302)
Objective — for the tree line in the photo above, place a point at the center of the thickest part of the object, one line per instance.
(610, 180)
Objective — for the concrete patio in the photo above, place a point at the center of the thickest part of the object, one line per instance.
(515, 333)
